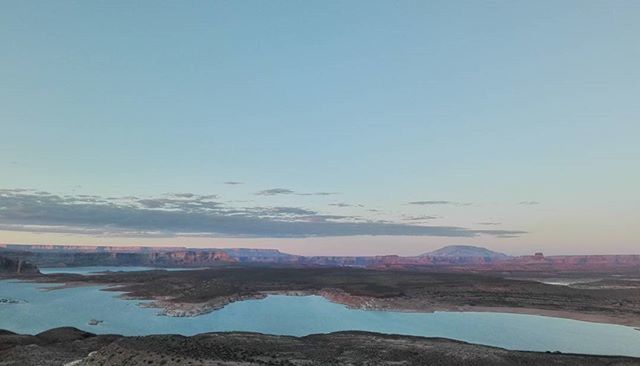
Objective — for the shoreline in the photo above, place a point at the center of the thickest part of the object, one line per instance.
(169, 306)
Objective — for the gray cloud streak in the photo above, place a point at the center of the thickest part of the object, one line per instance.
(420, 218)
(274, 192)
(428, 203)
(278, 191)
(193, 215)
(344, 204)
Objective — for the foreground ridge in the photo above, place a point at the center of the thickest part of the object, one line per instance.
(70, 346)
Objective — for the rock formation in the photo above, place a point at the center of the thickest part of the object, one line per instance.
(16, 266)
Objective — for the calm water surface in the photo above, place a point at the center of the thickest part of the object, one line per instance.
(290, 315)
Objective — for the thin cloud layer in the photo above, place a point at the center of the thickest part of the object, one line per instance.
(420, 218)
(428, 203)
(193, 215)
(344, 204)
(285, 191)
(274, 192)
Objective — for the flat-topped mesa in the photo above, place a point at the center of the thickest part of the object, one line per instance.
(578, 261)
(182, 258)
(378, 261)
(86, 248)
(454, 257)
(249, 255)
(190, 258)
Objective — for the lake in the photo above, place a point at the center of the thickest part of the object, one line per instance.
(291, 315)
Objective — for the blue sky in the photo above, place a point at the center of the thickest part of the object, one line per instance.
(485, 105)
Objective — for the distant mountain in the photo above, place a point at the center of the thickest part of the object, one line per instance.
(252, 252)
(259, 255)
(465, 251)
(28, 258)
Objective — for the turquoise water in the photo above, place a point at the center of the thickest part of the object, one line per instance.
(97, 269)
(290, 315)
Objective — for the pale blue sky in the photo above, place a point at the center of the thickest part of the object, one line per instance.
(483, 104)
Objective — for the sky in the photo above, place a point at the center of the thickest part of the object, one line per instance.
(322, 127)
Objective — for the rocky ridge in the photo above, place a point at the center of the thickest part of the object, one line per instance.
(70, 346)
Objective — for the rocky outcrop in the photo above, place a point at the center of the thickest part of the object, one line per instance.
(16, 266)
(70, 346)
(59, 346)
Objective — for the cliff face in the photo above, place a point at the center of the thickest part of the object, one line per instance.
(568, 262)
(188, 258)
(184, 258)
(84, 248)
(250, 255)
(16, 266)
(453, 257)
(537, 262)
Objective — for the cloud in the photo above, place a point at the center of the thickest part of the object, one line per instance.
(316, 194)
(184, 195)
(274, 192)
(529, 203)
(280, 211)
(232, 183)
(185, 202)
(489, 223)
(344, 204)
(427, 203)
(194, 215)
(420, 218)
(277, 191)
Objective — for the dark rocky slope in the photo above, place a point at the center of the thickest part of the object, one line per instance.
(73, 347)
(16, 266)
